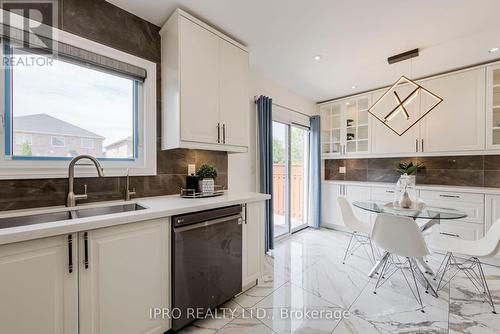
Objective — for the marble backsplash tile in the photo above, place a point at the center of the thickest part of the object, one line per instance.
(172, 169)
(476, 171)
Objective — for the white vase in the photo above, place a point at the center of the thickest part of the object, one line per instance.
(405, 195)
(207, 185)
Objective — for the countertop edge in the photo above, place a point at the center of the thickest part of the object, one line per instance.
(156, 208)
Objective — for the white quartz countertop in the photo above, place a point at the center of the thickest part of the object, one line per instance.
(156, 207)
(462, 189)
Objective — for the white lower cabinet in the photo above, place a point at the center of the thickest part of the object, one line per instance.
(253, 243)
(492, 214)
(330, 210)
(38, 294)
(358, 193)
(331, 214)
(125, 276)
(118, 274)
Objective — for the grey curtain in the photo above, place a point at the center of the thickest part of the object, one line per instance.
(265, 115)
(315, 175)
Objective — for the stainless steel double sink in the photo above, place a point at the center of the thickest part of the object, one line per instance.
(74, 213)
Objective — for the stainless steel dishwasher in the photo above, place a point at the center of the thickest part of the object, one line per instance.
(206, 261)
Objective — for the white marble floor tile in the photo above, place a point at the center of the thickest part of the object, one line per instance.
(357, 325)
(245, 326)
(333, 281)
(468, 311)
(291, 309)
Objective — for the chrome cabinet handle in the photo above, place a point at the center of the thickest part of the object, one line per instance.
(70, 253)
(218, 133)
(449, 196)
(223, 133)
(390, 191)
(416, 145)
(86, 250)
(450, 234)
(422, 145)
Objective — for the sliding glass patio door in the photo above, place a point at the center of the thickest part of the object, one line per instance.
(290, 175)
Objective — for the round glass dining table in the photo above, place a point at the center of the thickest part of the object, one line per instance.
(422, 211)
(433, 214)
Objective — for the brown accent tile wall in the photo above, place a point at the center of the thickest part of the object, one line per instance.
(477, 171)
(105, 23)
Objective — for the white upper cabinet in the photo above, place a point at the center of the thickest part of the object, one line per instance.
(457, 124)
(204, 87)
(493, 107)
(385, 141)
(345, 127)
(199, 84)
(234, 102)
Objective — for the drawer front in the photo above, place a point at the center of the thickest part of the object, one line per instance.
(382, 194)
(459, 230)
(451, 196)
(471, 204)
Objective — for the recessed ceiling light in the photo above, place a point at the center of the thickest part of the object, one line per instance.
(353, 87)
(317, 57)
(493, 50)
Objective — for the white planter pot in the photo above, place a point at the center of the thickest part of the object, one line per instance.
(207, 185)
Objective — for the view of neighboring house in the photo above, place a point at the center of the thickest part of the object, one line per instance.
(44, 135)
(121, 148)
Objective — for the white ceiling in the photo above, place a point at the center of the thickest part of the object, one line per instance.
(354, 37)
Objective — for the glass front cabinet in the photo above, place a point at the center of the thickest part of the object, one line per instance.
(345, 127)
(493, 107)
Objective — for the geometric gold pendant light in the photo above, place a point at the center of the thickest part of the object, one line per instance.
(403, 105)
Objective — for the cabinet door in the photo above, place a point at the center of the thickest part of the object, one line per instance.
(127, 274)
(357, 125)
(332, 132)
(358, 193)
(199, 67)
(234, 95)
(492, 210)
(493, 108)
(384, 140)
(38, 294)
(457, 124)
(330, 210)
(253, 247)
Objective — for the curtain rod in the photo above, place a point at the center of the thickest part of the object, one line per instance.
(284, 107)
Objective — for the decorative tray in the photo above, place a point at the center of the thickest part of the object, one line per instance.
(191, 193)
(415, 207)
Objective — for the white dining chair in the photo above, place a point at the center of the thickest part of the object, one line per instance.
(401, 237)
(485, 247)
(360, 231)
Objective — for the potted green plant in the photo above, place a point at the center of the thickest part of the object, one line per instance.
(207, 175)
(405, 194)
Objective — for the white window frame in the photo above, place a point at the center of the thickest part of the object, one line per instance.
(144, 164)
(60, 138)
(90, 147)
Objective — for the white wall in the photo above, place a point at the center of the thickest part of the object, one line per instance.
(242, 167)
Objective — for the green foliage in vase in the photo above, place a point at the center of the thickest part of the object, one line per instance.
(409, 168)
(207, 172)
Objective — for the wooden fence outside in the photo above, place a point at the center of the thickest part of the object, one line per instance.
(297, 193)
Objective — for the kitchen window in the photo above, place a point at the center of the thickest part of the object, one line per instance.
(87, 143)
(81, 98)
(56, 141)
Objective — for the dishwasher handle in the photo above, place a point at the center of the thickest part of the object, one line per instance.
(209, 223)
